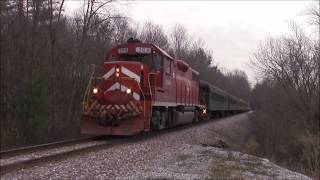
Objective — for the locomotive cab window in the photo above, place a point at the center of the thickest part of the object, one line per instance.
(112, 57)
(156, 65)
(144, 58)
(167, 66)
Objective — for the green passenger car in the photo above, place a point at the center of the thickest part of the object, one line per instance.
(219, 102)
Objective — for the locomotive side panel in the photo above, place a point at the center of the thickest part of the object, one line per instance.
(165, 90)
(178, 88)
(185, 85)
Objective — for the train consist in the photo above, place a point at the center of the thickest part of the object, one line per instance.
(144, 89)
(220, 103)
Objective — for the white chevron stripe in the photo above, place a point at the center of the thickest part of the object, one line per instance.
(130, 74)
(116, 85)
(136, 96)
(123, 88)
(109, 73)
(123, 107)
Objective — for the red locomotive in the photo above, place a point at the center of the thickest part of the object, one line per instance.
(143, 89)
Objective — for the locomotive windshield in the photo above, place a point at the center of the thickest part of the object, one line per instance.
(144, 58)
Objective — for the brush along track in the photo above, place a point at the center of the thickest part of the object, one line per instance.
(94, 145)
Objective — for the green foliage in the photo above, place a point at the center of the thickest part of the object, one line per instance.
(32, 109)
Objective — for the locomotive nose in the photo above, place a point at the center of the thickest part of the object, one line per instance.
(122, 82)
(117, 97)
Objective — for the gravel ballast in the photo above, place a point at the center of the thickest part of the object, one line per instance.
(47, 152)
(149, 158)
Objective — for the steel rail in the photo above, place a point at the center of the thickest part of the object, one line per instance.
(40, 147)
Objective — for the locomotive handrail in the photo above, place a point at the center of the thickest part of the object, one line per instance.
(85, 100)
(150, 84)
(144, 100)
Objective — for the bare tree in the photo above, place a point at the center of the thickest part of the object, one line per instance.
(40, 47)
(288, 98)
(292, 61)
(314, 14)
(122, 30)
(91, 8)
(238, 84)
(153, 33)
(180, 40)
(53, 38)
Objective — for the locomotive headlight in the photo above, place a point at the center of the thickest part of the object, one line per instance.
(117, 70)
(204, 111)
(128, 91)
(95, 90)
(117, 74)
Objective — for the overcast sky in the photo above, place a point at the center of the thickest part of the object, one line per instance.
(231, 29)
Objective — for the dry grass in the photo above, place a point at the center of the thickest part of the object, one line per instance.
(231, 168)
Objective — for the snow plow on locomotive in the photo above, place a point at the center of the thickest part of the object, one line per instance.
(143, 89)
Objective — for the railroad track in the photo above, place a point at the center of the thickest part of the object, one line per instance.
(28, 149)
(33, 155)
(37, 156)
